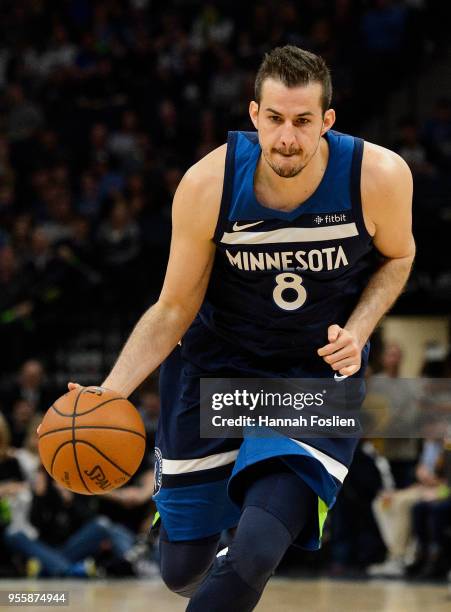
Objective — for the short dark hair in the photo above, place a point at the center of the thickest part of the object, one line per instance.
(294, 66)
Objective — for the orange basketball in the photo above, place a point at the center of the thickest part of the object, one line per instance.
(91, 440)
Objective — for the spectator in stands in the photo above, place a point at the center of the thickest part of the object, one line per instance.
(88, 200)
(15, 493)
(432, 528)
(401, 396)
(123, 143)
(208, 138)
(354, 549)
(226, 85)
(432, 517)
(20, 236)
(16, 307)
(428, 497)
(57, 226)
(11, 476)
(28, 454)
(32, 386)
(12, 285)
(41, 255)
(392, 510)
(58, 532)
(19, 420)
(119, 247)
(131, 504)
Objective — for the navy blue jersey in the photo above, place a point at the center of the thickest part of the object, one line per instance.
(281, 278)
(278, 281)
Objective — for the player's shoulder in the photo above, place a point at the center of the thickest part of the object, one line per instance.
(383, 167)
(386, 184)
(208, 172)
(199, 193)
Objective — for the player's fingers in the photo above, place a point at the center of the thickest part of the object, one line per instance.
(347, 351)
(333, 332)
(349, 370)
(343, 363)
(71, 386)
(39, 427)
(328, 349)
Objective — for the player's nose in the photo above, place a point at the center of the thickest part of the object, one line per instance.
(288, 138)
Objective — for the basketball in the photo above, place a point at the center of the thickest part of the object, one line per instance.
(91, 440)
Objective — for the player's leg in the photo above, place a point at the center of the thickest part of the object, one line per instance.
(277, 506)
(184, 564)
(191, 477)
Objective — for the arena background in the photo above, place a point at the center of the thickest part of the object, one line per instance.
(103, 106)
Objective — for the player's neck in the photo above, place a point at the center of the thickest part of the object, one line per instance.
(274, 191)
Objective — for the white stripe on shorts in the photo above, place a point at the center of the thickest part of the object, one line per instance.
(333, 466)
(183, 466)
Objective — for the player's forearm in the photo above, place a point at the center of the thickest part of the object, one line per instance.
(151, 341)
(379, 295)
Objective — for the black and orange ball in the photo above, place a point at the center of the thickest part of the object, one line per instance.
(92, 440)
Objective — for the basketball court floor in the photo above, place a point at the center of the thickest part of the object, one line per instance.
(281, 595)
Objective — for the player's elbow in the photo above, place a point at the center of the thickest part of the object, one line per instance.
(176, 312)
(411, 251)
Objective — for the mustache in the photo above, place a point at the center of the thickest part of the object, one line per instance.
(288, 151)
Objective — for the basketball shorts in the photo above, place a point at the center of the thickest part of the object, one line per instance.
(198, 481)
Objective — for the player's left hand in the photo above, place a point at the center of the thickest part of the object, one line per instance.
(343, 352)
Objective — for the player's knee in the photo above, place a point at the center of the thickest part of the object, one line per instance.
(180, 579)
(257, 567)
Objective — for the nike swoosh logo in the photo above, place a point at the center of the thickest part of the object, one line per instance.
(340, 376)
(238, 228)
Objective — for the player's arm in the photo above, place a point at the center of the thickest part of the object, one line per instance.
(194, 216)
(387, 204)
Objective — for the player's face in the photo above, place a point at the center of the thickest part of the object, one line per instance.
(290, 123)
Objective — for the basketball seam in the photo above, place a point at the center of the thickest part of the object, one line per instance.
(104, 456)
(94, 427)
(113, 399)
(56, 452)
(74, 440)
(96, 449)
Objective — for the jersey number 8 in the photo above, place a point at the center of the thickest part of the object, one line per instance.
(291, 281)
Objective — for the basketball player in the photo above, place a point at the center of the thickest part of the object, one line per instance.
(289, 244)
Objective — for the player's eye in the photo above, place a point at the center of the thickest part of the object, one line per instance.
(303, 121)
(275, 118)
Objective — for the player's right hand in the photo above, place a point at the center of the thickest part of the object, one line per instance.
(71, 386)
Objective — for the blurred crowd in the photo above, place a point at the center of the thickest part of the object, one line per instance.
(104, 105)
(396, 497)
(45, 529)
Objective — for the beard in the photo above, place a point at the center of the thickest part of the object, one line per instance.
(285, 171)
(288, 171)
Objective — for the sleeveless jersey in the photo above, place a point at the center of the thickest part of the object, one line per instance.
(279, 279)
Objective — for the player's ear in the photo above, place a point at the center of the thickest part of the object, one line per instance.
(253, 113)
(328, 120)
